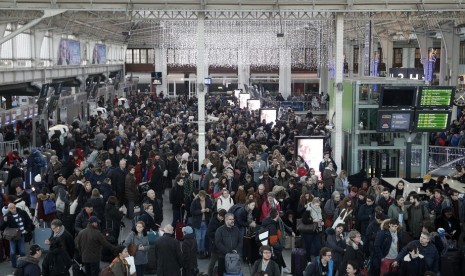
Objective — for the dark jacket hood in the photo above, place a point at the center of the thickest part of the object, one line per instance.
(23, 261)
(330, 231)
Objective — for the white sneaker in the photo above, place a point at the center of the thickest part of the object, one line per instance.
(286, 270)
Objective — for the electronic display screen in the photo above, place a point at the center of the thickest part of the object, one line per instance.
(394, 121)
(311, 149)
(435, 96)
(243, 97)
(208, 81)
(398, 96)
(253, 105)
(432, 120)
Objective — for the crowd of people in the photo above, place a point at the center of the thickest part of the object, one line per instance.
(251, 182)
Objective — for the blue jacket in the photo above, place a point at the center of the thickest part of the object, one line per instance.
(314, 269)
(429, 251)
(30, 266)
(383, 242)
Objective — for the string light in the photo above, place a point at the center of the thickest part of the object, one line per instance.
(229, 43)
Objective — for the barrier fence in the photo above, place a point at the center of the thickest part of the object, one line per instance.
(440, 155)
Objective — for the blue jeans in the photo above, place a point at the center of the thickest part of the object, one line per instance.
(17, 247)
(200, 236)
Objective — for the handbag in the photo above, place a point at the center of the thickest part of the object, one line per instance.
(73, 207)
(306, 228)
(11, 234)
(341, 220)
(132, 248)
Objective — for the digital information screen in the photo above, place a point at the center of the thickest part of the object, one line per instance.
(394, 121)
(435, 96)
(432, 120)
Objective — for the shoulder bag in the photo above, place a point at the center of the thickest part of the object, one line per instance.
(11, 234)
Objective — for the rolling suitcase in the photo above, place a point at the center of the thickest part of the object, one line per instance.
(41, 234)
(298, 260)
(178, 234)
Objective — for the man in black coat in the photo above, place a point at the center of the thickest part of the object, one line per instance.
(216, 222)
(66, 239)
(228, 238)
(118, 177)
(83, 217)
(168, 253)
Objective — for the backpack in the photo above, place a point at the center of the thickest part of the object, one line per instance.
(232, 263)
(49, 207)
(235, 208)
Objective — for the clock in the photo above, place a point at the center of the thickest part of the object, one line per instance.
(459, 99)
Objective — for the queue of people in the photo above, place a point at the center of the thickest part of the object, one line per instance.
(250, 182)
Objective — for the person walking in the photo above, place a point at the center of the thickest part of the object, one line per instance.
(57, 262)
(89, 244)
(119, 266)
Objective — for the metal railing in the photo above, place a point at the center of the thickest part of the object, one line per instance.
(7, 146)
(440, 155)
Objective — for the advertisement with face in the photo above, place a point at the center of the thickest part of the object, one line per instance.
(253, 105)
(269, 115)
(311, 149)
(243, 97)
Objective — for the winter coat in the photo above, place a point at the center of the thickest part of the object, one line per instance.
(365, 214)
(113, 217)
(99, 206)
(41, 209)
(196, 212)
(336, 244)
(429, 251)
(141, 256)
(394, 211)
(353, 252)
(67, 241)
(82, 220)
(119, 267)
(177, 197)
(413, 266)
(118, 178)
(382, 246)
(224, 203)
(11, 223)
(272, 269)
(30, 266)
(105, 190)
(168, 255)
(211, 230)
(89, 243)
(130, 190)
(189, 254)
(274, 233)
(228, 239)
(56, 263)
(416, 216)
(52, 173)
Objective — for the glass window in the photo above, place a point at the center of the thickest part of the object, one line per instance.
(45, 48)
(151, 56)
(129, 56)
(135, 56)
(143, 56)
(6, 51)
(23, 46)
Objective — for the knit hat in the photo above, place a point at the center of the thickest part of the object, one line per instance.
(38, 178)
(187, 230)
(5, 210)
(93, 219)
(441, 232)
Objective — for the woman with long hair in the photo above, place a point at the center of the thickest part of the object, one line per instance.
(341, 183)
(305, 200)
(119, 266)
(138, 238)
(345, 211)
(312, 240)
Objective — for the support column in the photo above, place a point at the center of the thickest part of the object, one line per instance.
(324, 78)
(37, 39)
(449, 59)
(338, 90)
(388, 51)
(367, 54)
(243, 71)
(349, 52)
(161, 66)
(425, 43)
(285, 82)
(201, 91)
(408, 57)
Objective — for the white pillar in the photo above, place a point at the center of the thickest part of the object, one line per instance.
(285, 84)
(349, 52)
(201, 63)
(37, 39)
(388, 51)
(162, 66)
(338, 135)
(408, 57)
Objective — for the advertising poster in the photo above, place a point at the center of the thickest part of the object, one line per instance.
(243, 97)
(99, 55)
(311, 150)
(69, 52)
(253, 105)
(269, 115)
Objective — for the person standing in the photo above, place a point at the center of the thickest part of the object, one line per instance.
(228, 239)
(89, 244)
(59, 232)
(17, 218)
(178, 200)
(138, 237)
(118, 177)
(189, 252)
(168, 253)
(131, 191)
(387, 246)
(354, 251)
(119, 266)
(57, 262)
(201, 209)
(30, 263)
(312, 240)
(413, 263)
(258, 167)
(216, 222)
(323, 266)
(265, 264)
(426, 248)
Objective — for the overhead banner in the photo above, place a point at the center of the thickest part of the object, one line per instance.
(99, 56)
(69, 52)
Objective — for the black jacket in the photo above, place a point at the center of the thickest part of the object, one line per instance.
(67, 241)
(11, 223)
(30, 266)
(168, 255)
(228, 239)
(113, 217)
(189, 253)
(56, 263)
(212, 227)
(82, 220)
(365, 213)
(196, 212)
(177, 197)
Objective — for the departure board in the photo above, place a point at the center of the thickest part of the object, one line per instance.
(435, 96)
(432, 120)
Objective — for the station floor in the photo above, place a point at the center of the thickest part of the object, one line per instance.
(7, 270)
